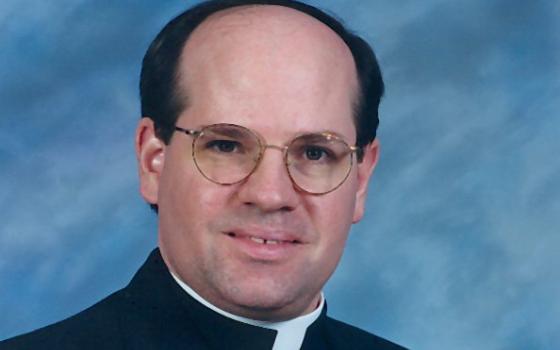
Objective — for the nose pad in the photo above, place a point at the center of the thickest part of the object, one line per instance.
(281, 170)
(260, 157)
(283, 150)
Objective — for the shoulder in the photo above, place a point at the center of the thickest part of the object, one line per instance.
(96, 326)
(347, 336)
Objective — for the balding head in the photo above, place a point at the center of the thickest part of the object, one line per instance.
(159, 94)
(268, 62)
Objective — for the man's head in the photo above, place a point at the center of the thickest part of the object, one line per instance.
(261, 247)
(163, 102)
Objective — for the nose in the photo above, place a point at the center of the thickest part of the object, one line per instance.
(269, 187)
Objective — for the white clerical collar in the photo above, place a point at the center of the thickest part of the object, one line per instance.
(290, 333)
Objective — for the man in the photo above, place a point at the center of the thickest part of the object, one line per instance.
(256, 147)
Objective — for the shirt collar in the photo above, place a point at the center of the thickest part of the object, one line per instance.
(290, 333)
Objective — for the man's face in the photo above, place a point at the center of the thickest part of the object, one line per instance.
(279, 73)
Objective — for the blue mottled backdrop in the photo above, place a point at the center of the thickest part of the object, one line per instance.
(460, 248)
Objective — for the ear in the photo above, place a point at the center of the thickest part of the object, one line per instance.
(365, 169)
(150, 154)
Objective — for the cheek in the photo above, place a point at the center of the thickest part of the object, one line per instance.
(339, 205)
(332, 215)
(190, 207)
(179, 196)
(332, 222)
(198, 203)
(184, 189)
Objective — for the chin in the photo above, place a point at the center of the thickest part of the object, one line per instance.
(269, 301)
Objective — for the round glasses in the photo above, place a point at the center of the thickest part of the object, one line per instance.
(226, 154)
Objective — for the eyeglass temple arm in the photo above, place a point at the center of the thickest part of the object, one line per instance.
(190, 132)
(359, 150)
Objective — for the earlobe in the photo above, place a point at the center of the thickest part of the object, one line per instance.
(150, 154)
(365, 170)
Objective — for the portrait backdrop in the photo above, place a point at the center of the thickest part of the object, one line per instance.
(460, 245)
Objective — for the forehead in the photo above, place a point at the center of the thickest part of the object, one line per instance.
(266, 64)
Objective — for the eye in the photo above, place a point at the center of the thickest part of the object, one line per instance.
(315, 153)
(223, 146)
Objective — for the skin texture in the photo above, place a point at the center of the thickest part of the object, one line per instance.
(281, 73)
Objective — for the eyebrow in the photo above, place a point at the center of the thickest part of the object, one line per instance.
(226, 130)
(234, 133)
(322, 132)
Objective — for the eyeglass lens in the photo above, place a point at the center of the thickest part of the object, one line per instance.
(317, 163)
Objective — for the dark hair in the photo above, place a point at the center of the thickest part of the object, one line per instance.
(162, 102)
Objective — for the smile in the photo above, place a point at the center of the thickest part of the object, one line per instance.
(266, 246)
(266, 241)
(270, 241)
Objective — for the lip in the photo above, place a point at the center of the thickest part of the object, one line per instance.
(267, 246)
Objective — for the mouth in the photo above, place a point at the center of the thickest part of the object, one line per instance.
(265, 241)
(266, 246)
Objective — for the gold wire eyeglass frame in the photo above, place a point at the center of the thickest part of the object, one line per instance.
(262, 148)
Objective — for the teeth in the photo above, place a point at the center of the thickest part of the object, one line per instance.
(264, 241)
(258, 240)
